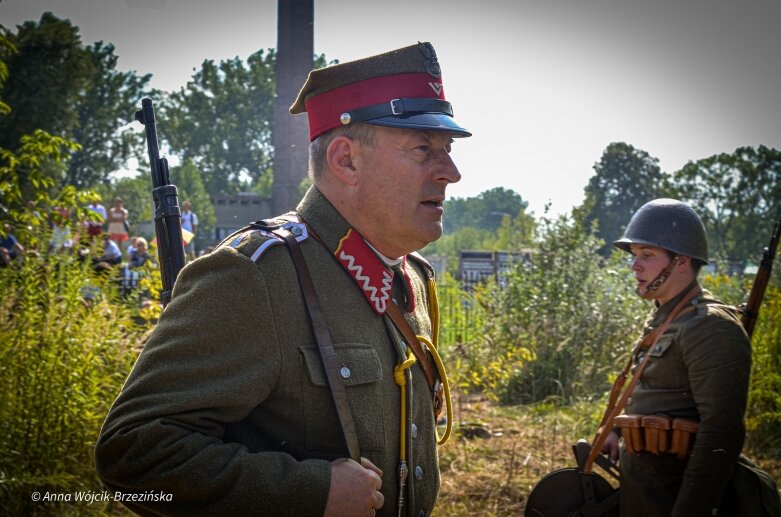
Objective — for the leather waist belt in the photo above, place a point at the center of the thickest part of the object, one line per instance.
(657, 434)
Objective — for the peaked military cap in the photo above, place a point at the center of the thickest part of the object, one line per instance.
(401, 88)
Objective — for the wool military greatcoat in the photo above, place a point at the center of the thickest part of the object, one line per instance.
(699, 369)
(227, 407)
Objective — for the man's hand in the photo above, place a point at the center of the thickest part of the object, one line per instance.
(610, 447)
(355, 489)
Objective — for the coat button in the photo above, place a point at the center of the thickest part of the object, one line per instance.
(418, 473)
(421, 513)
(345, 372)
(414, 431)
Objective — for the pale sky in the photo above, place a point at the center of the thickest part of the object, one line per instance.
(544, 85)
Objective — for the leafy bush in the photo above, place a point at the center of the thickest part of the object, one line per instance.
(65, 350)
(572, 311)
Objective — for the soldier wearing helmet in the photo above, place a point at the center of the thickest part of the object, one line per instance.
(697, 373)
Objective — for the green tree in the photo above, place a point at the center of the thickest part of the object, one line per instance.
(7, 49)
(515, 232)
(187, 179)
(626, 178)
(27, 196)
(485, 211)
(738, 196)
(450, 244)
(493, 220)
(106, 105)
(221, 121)
(47, 74)
(74, 92)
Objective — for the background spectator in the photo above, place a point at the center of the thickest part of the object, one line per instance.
(112, 255)
(189, 223)
(118, 228)
(9, 246)
(61, 239)
(95, 226)
(136, 259)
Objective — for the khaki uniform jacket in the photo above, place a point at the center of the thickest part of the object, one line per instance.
(227, 408)
(699, 369)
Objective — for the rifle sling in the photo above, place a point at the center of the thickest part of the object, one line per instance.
(325, 345)
(615, 408)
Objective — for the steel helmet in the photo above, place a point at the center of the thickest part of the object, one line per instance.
(669, 224)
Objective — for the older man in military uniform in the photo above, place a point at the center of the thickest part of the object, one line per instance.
(697, 372)
(229, 408)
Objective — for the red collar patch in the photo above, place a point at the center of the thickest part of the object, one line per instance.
(368, 271)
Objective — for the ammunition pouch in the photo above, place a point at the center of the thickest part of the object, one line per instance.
(657, 434)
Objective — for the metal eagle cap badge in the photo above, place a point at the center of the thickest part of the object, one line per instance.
(430, 59)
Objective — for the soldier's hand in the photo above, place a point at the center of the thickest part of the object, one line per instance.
(355, 489)
(610, 447)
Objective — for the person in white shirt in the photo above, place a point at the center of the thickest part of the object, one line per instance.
(189, 223)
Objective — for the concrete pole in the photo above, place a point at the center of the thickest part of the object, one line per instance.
(295, 54)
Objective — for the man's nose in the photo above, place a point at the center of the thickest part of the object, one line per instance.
(447, 171)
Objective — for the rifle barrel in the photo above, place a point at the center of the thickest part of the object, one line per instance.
(751, 309)
(168, 221)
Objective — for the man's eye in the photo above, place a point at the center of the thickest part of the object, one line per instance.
(423, 148)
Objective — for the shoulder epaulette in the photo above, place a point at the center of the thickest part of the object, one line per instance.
(255, 239)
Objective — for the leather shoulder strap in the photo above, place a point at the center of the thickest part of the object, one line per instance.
(615, 407)
(325, 346)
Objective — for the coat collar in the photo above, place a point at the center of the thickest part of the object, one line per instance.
(370, 274)
(661, 312)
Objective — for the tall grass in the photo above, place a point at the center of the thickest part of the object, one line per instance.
(65, 350)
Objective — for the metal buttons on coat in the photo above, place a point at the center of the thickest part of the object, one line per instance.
(418, 473)
(345, 372)
(414, 431)
(421, 513)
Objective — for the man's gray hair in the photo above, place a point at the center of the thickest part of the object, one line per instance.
(318, 148)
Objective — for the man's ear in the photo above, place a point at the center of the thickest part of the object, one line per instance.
(341, 157)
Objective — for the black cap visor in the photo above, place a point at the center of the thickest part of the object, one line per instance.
(423, 121)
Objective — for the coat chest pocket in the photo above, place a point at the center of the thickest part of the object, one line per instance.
(360, 372)
(665, 369)
(661, 346)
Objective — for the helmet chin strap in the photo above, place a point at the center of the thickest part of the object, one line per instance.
(660, 279)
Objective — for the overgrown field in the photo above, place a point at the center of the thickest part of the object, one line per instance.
(531, 361)
(490, 468)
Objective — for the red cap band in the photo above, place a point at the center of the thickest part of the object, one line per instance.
(325, 110)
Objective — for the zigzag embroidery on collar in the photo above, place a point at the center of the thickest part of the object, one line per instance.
(360, 262)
